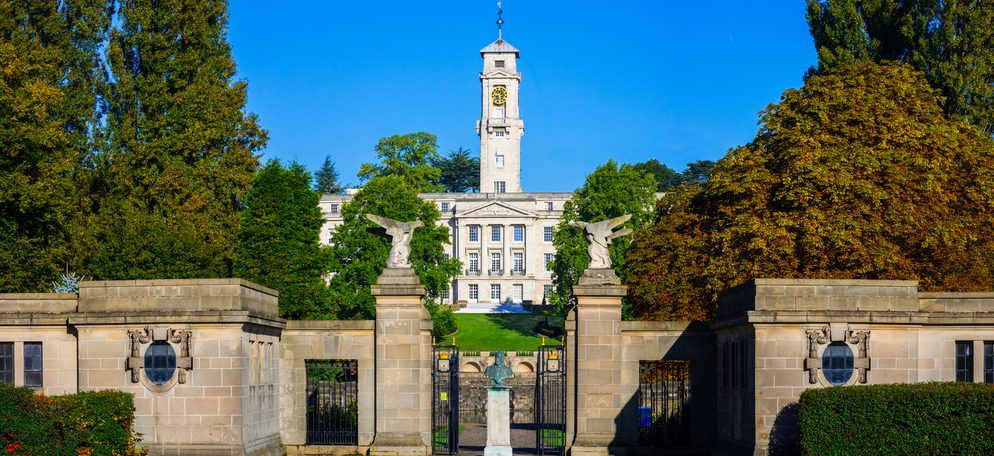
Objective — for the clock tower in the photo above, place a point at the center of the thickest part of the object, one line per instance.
(500, 126)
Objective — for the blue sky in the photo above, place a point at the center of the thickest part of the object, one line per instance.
(624, 80)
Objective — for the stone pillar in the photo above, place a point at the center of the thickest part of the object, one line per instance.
(403, 366)
(498, 422)
(597, 409)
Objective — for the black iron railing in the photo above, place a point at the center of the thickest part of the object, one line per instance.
(550, 400)
(332, 401)
(445, 399)
(664, 403)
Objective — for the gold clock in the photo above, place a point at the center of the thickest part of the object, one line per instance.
(499, 95)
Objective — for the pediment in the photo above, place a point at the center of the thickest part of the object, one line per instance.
(497, 209)
(496, 74)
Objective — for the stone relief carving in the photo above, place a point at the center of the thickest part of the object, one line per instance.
(816, 338)
(494, 209)
(400, 239)
(861, 339)
(136, 338)
(599, 236)
(184, 362)
(139, 337)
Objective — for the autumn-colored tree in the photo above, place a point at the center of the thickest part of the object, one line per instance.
(858, 174)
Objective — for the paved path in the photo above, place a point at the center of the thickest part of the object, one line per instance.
(473, 439)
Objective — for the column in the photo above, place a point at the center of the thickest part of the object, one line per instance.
(403, 366)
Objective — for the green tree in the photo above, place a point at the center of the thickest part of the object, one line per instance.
(460, 172)
(359, 255)
(278, 241)
(858, 174)
(409, 156)
(326, 179)
(610, 191)
(665, 177)
(180, 156)
(951, 41)
(697, 172)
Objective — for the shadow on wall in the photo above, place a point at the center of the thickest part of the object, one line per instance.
(785, 438)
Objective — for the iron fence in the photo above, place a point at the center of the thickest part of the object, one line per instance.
(550, 401)
(664, 403)
(445, 399)
(332, 401)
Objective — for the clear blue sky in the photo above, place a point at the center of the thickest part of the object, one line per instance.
(675, 81)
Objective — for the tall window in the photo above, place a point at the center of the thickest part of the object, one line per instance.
(500, 163)
(474, 233)
(445, 294)
(546, 292)
(495, 292)
(334, 208)
(519, 233)
(7, 363)
(495, 262)
(32, 364)
(474, 263)
(549, 258)
(519, 262)
(495, 233)
(988, 362)
(445, 206)
(499, 187)
(549, 206)
(547, 234)
(519, 292)
(964, 361)
(474, 292)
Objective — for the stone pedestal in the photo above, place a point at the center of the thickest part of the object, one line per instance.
(403, 366)
(600, 397)
(498, 422)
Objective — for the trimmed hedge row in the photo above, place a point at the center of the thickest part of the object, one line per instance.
(922, 418)
(88, 423)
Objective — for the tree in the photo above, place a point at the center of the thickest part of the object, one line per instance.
(697, 171)
(278, 241)
(858, 174)
(665, 177)
(951, 41)
(180, 155)
(610, 191)
(460, 172)
(326, 179)
(409, 156)
(358, 255)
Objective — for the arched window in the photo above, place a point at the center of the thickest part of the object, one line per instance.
(837, 363)
(160, 362)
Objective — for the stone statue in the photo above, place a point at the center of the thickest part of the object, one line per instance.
(400, 237)
(599, 236)
(499, 372)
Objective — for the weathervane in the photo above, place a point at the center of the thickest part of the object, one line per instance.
(500, 21)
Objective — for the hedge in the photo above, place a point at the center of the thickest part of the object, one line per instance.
(922, 418)
(89, 423)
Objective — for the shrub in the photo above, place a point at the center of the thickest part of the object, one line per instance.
(923, 418)
(443, 320)
(87, 423)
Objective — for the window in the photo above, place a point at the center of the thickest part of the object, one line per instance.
(495, 262)
(546, 292)
(474, 292)
(474, 233)
(837, 363)
(160, 362)
(725, 363)
(499, 133)
(518, 291)
(500, 163)
(495, 233)
(549, 258)
(32, 364)
(495, 292)
(445, 206)
(519, 262)
(549, 206)
(547, 234)
(498, 113)
(7, 363)
(445, 294)
(498, 63)
(988, 362)
(499, 187)
(334, 208)
(474, 263)
(519, 233)
(964, 361)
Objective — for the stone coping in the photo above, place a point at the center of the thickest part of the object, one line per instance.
(330, 325)
(41, 303)
(192, 317)
(918, 318)
(177, 283)
(665, 326)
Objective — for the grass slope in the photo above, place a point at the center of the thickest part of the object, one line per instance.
(500, 331)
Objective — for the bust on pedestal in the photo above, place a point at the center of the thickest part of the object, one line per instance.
(498, 408)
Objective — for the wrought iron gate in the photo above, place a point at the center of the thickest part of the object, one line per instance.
(332, 406)
(445, 399)
(550, 400)
(664, 403)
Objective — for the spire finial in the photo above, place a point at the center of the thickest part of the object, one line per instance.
(500, 21)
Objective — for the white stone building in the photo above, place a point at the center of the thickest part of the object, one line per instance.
(503, 235)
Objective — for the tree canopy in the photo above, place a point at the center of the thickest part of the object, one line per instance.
(460, 172)
(278, 240)
(359, 255)
(410, 157)
(858, 174)
(667, 179)
(951, 41)
(326, 178)
(610, 191)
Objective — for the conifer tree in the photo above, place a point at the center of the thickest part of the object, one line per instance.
(180, 154)
(326, 179)
(278, 240)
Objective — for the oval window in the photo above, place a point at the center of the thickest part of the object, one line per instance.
(160, 362)
(837, 363)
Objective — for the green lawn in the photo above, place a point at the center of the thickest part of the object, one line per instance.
(500, 331)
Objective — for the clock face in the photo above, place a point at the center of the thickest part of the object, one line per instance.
(499, 95)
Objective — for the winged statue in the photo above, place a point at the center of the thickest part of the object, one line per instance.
(400, 239)
(599, 236)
